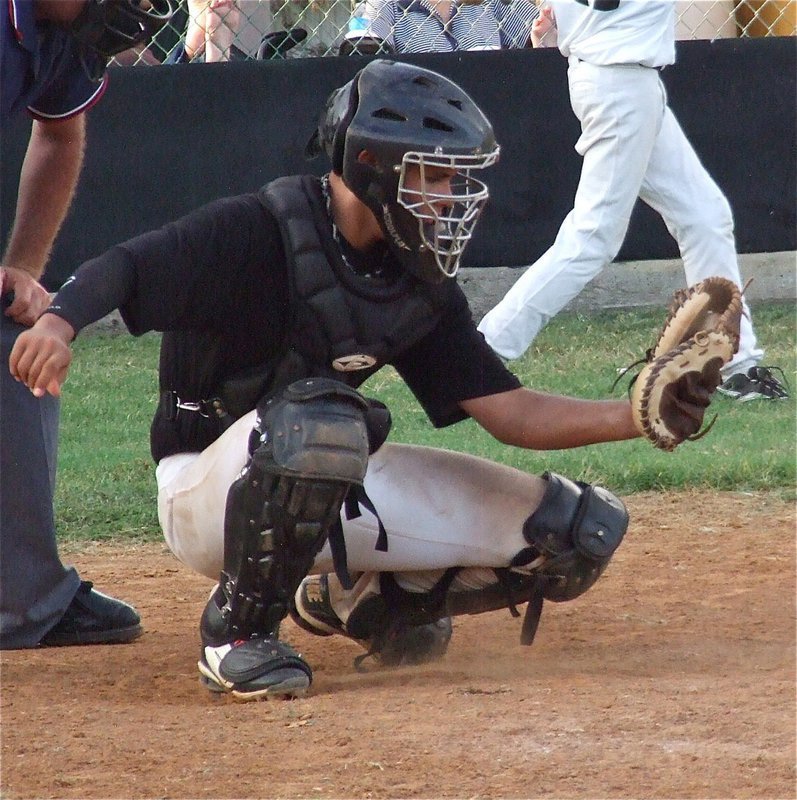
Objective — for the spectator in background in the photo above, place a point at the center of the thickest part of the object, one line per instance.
(543, 29)
(420, 26)
(212, 26)
(53, 55)
(232, 30)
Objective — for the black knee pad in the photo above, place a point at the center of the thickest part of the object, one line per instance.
(577, 527)
(315, 427)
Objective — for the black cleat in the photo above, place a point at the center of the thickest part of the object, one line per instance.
(255, 669)
(758, 383)
(390, 640)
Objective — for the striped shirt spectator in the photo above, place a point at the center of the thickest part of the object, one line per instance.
(422, 26)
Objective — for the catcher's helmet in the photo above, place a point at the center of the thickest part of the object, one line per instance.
(105, 28)
(409, 117)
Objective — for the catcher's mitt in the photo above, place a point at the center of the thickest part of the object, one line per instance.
(701, 334)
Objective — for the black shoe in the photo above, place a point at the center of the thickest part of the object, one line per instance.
(391, 641)
(758, 383)
(94, 618)
(312, 610)
(255, 669)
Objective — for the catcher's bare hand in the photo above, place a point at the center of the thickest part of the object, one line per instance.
(41, 356)
(30, 297)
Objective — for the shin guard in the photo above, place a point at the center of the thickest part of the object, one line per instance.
(309, 447)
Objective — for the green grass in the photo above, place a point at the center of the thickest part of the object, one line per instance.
(106, 477)
(106, 485)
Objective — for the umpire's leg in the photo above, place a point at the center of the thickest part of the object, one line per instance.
(35, 587)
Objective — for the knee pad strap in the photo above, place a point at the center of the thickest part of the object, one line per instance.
(420, 608)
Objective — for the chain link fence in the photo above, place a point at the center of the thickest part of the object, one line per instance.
(224, 30)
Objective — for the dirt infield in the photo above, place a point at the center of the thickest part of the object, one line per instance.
(672, 678)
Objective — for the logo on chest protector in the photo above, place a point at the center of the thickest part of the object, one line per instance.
(353, 362)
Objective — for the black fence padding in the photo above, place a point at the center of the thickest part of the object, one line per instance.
(166, 139)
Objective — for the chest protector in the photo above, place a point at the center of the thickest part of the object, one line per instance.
(344, 326)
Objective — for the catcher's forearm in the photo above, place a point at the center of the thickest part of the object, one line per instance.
(569, 422)
(538, 421)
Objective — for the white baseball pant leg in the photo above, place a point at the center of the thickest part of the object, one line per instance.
(440, 509)
(699, 218)
(632, 146)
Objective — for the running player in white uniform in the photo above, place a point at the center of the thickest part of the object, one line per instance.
(632, 146)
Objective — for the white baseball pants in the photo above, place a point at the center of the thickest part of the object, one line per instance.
(632, 146)
(440, 509)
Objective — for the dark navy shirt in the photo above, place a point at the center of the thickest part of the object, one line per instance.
(40, 69)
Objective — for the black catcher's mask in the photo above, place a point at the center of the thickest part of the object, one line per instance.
(410, 118)
(107, 27)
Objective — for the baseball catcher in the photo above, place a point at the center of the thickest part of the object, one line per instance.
(274, 474)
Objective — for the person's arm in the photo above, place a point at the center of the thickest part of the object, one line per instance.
(454, 374)
(41, 356)
(539, 421)
(47, 184)
(49, 175)
(30, 298)
(212, 27)
(192, 274)
(543, 29)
